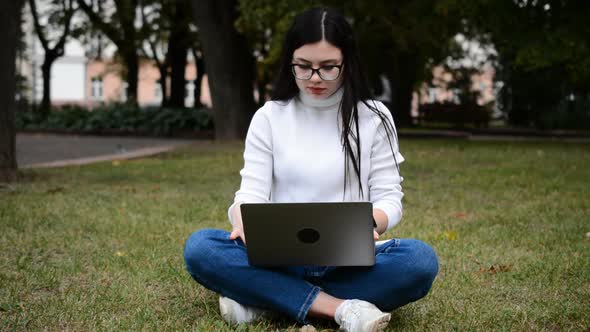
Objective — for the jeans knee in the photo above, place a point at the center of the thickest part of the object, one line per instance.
(425, 264)
(198, 248)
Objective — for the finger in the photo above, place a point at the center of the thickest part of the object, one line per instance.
(234, 234)
(375, 235)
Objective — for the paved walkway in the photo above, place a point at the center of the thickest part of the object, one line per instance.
(47, 150)
(53, 150)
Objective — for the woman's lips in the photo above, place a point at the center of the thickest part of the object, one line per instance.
(316, 91)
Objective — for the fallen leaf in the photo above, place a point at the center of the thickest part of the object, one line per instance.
(499, 268)
(116, 163)
(451, 235)
(120, 254)
(460, 215)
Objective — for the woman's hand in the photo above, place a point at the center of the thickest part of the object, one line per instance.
(375, 235)
(237, 226)
(238, 231)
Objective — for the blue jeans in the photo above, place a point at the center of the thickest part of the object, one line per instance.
(403, 273)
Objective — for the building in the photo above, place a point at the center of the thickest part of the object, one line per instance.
(79, 79)
(439, 91)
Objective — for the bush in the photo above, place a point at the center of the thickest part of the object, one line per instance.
(568, 115)
(124, 118)
(456, 114)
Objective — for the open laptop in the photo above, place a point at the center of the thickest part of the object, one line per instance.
(325, 234)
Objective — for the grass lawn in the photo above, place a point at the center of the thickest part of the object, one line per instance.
(100, 247)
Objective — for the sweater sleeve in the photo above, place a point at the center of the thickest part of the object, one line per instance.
(258, 162)
(384, 179)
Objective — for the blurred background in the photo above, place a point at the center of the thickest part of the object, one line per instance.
(201, 68)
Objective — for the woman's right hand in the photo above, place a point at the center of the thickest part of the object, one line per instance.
(238, 231)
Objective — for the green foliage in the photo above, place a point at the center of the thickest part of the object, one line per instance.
(265, 23)
(396, 38)
(570, 114)
(119, 117)
(543, 53)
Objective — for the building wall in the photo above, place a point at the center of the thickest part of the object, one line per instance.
(148, 85)
(111, 83)
(482, 82)
(68, 80)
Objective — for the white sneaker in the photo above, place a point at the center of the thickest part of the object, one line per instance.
(361, 316)
(236, 313)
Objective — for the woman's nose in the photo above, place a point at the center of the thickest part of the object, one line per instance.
(315, 77)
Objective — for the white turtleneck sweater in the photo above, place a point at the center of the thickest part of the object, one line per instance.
(293, 153)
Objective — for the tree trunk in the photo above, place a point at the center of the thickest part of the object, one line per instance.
(230, 67)
(401, 101)
(200, 69)
(46, 73)
(402, 75)
(177, 74)
(178, 46)
(163, 84)
(261, 87)
(10, 13)
(123, 34)
(132, 63)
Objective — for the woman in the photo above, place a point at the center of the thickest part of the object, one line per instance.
(321, 138)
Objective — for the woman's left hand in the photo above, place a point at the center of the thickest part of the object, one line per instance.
(375, 235)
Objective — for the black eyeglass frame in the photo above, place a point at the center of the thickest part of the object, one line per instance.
(316, 70)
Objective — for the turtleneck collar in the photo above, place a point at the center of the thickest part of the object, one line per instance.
(331, 102)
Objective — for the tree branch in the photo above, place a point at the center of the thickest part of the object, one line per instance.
(38, 27)
(126, 13)
(150, 42)
(110, 31)
(59, 47)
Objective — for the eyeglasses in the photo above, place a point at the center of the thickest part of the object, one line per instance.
(326, 73)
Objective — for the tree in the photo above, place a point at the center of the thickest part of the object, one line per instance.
(200, 67)
(169, 35)
(89, 35)
(155, 18)
(120, 28)
(543, 53)
(179, 44)
(264, 23)
(399, 39)
(10, 14)
(230, 66)
(58, 15)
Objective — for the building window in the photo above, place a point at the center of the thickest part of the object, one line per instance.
(456, 93)
(189, 93)
(96, 88)
(124, 87)
(158, 91)
(432, 95)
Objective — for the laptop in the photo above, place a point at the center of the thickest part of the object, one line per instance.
(322, 234)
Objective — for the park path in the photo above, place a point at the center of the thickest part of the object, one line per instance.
(49, 150)
(58, 150)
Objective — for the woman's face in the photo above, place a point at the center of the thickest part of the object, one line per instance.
(321, 55)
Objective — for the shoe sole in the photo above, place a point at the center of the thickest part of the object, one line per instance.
(378, 324)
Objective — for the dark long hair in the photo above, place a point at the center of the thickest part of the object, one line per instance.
(310, 27)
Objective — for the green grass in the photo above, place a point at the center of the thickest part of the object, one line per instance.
(100, 247)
